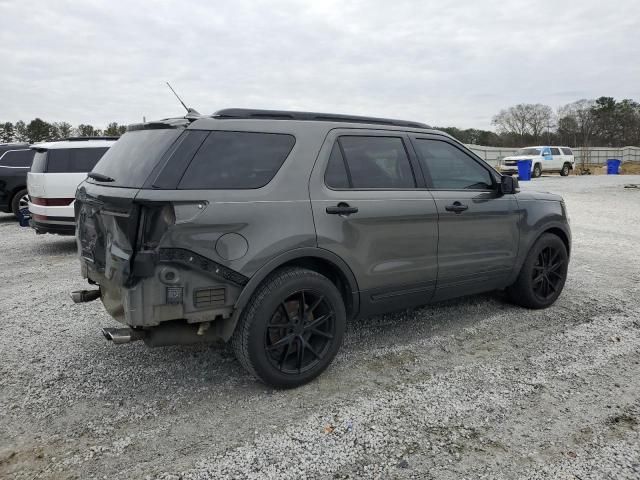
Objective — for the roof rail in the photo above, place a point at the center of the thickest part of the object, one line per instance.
(248, 113)
(82, 139)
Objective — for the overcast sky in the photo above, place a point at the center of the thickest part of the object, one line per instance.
(446, 63)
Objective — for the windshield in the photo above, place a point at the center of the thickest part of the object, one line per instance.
(133, 157)
(528, 151)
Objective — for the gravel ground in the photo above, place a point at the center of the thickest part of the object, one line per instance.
(473, 388)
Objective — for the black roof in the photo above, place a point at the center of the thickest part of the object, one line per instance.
(82, 139)
(248, 113)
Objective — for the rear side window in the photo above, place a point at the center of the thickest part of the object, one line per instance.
(237, 160)
(336, 175)
(132, 158)
(17, 158)
(567, 151)
(369, 162)
(555, 151)
(450, 168)
(73, 160)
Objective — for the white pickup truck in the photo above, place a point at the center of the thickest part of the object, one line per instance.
(544, 159)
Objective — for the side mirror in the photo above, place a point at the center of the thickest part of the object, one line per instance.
(509, 185)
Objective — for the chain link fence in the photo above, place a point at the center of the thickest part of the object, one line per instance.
(586, 156)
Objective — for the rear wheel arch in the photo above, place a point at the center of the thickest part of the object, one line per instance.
(318, 260)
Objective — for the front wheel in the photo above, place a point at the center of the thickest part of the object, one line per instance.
(291, 329)
(566, 169)
(537, 171)
(543, 274)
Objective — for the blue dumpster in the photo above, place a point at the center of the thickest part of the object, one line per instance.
(613, 166)
(524, 170)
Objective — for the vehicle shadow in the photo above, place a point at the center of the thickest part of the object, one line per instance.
(55, 246)
(214, 366)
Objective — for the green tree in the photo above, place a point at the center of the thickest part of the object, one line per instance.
(38, 130)
(61, 130)
(115, 130)
(87, 131)
(20, 132)
(6, 132)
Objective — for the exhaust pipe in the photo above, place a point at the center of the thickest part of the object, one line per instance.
(170, 333)
(122, 335)
(82, 296)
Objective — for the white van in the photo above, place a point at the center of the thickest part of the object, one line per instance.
(544, 159)
(57, 170)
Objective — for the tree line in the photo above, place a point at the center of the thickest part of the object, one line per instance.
(603, 122)
(37, 130)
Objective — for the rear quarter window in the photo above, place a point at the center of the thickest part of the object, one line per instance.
(17, 158)
(237, 160)
(567, 151)
(73, 160)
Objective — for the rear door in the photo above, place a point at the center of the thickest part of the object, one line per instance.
(547, 159)
(371, 209)
(558, 158)
(478, 227)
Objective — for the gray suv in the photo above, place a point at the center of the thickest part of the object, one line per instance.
(269, 229)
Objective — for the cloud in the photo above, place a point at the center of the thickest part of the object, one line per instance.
(444, 63)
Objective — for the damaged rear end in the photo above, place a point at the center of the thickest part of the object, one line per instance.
(129, 224)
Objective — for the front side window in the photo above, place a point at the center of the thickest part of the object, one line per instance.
(450, 168)
(369, 162)
(17, 158)
(237, 160)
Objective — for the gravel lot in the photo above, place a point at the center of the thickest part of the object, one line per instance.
(474, 388)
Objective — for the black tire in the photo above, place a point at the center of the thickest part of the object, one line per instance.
(17, 201)
(265, 349)
(537, 171)
(543, 274)
(566, 170)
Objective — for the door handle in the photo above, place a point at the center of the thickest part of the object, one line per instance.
(342, 209)
(457, 207)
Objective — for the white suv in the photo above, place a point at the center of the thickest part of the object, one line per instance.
(544, 159)
(57, 170)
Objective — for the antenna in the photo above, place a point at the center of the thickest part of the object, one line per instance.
(178, 97)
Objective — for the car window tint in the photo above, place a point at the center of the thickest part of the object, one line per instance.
(555, 151)
(450, 168)
(336, 173)
(73, 160)
(17, 158)
(567, 151)
(377, 162)
(237, 160)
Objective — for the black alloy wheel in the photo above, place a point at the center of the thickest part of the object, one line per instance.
(299, 332)
(547, 274)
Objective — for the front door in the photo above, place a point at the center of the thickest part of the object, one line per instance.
(478, 240)
(371, 208)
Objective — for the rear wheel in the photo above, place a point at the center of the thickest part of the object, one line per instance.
(543, 274)
(19, 201)
(537, 170)
(566, 170)
(291, 329)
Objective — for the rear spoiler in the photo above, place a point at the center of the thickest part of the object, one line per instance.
(178, 122)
